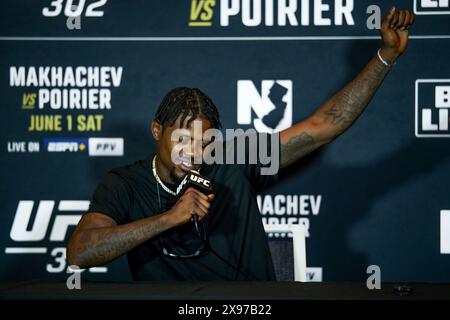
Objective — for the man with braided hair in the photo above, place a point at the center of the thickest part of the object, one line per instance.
(135, 210)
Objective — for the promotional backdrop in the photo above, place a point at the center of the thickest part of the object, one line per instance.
(80, 82)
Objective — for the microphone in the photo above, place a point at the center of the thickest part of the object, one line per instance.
(205, 185)
(196, 180)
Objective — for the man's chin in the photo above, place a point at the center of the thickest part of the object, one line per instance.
(178, 172)
(177, 175)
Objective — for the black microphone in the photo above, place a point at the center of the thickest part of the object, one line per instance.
(197, 181)
(205, 185)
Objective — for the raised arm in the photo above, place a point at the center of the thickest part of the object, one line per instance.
(340, 111)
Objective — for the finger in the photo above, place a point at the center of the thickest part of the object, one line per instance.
(201, 195)
(387, 20)
(394, 20)
(410, 22)
(211, 197)
(196, 193)
(413, 18)
(401, 20)
(407, 18)
(201, 217)
(405, 21)
(204, 203)
(189, 190)
(199, 209)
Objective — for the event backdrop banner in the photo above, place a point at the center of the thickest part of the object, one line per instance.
(80, 82)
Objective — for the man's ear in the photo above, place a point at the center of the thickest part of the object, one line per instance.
(156, 130)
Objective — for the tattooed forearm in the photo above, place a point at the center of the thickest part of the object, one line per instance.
(334, 116)
(98, 246)
(348, 104)
(296, 148)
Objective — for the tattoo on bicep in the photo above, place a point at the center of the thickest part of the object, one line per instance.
(296, 148)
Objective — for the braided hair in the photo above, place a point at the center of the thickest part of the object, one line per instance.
(186, 102)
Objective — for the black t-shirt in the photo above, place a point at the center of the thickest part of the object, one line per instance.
(233, 226)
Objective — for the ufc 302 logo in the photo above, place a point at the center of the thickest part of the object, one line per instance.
(72, 9)
(431, 7)
(29, 234)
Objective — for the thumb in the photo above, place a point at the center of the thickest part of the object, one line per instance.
(211, 197)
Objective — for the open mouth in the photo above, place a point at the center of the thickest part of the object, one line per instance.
(187, 166)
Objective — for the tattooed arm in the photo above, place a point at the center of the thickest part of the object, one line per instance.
(98, 239)
(341, 111)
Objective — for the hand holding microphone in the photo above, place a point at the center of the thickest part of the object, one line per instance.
(194, 198)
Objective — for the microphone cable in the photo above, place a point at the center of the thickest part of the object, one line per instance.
(208, 246)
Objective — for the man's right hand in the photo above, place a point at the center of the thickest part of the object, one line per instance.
(98, 239)
(192, 202)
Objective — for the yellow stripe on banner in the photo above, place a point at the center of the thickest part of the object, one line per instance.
(200, 24)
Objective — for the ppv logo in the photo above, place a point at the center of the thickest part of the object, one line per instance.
(96, 146)
(106, 147)
(271, 104)
(20, 232)
(432, 104)
(431, 7)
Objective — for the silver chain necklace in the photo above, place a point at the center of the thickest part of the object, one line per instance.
(159, 180)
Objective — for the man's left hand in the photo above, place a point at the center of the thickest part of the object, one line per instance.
(394, 33)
